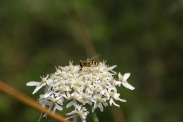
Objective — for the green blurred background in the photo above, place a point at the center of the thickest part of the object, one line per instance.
(143, 37)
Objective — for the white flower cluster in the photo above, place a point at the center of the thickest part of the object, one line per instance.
(93, 85)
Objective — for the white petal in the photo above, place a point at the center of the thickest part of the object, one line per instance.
(119, 75)
(59, 107)
(49, 81)
(70, 113)
(33, 83)
(116, 95)
(47, 94)
(127, 85)
(112, 102)
(73, 116)
(126, 76)
(118, 83)
(101, 107)
(105, 104)
(112, 67)
(37, 88)
(122, 100)
(69, 104)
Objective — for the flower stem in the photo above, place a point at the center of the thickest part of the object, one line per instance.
(94, 116)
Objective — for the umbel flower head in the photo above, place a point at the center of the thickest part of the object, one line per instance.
(94, 85)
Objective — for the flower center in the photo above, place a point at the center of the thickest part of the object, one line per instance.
(99, 99)
(80, 113)
(85, 96)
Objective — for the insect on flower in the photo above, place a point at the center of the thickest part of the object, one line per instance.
(89, 62)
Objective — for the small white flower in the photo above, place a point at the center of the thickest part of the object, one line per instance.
(85, 98)
(115, 96)
(124, 82)
(73, 97)
(58, 71)
(78, 112)
(38, 85)
(99, 102)
(52, 101)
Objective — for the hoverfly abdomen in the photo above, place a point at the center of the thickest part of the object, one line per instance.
(88, 62)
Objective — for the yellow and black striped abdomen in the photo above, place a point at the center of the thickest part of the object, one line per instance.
(93, 63)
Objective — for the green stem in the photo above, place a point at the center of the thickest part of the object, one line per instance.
(94, 116)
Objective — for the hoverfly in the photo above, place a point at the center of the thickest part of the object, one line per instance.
(89, 62)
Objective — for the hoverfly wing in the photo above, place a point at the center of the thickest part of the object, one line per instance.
(94, 57)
